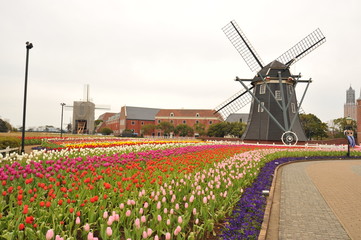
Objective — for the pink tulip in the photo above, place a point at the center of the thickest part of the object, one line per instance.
(144, 235)
(159, 205)
(121, 206)
(105, 214)
(177, 230)
(165, 210)
(180, 220)
(167, 236)
(137, 223)
(109, 231)
(205, 200)
(186, 205)
(90, 236)
(87, 227)
(149, 231)
(128, 213)
(77, 220)
(156, 237)
(49, 234)
(146, 204)
(191, 199)
(159, 218)
(194, 211)
(143, 219)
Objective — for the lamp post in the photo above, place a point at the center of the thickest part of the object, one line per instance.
(28, 47)
(61, 122)
(348, 132)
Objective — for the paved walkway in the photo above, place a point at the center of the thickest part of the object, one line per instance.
(317, 200)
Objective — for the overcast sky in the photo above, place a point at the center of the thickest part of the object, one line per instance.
(166, 54)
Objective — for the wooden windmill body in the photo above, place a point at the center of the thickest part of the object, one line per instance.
(274, 112)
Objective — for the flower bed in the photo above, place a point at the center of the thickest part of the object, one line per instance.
(177, 190)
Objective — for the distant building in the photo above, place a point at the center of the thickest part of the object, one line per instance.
(238, 117)
(134, 118)
(350, 105)
(189, 117)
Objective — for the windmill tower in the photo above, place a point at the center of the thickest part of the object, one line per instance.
(274, 112)
(84, 114)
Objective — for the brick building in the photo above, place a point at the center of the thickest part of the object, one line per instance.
(134, 118)
(189, 117)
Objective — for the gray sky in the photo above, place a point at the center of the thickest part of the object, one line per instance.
(166, 54)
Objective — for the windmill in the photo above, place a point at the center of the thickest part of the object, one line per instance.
(274, 112)
(84, 114)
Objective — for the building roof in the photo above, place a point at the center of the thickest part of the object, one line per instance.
(236, 117)
(140, 113)
(106, 116)
(188, 113)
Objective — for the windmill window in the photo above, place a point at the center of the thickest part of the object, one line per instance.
(290, 89)
(262, 89)
(260, 109)
(278, 95)
(293, 107)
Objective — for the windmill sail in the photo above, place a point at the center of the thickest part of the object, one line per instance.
(243, 46)
(234, 103)
(302, 48)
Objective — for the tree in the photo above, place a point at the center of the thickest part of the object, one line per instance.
(222, 129)
(106, 131)
(184, 130)
(148, 129)
(5, 126)
(313, 126)
(340, 125)
(166, 127)
(200, 128)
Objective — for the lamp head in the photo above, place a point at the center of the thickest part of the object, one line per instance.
(29, 45)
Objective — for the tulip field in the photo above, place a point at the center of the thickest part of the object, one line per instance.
(113, 188)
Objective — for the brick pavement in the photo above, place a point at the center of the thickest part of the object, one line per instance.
(317, 200)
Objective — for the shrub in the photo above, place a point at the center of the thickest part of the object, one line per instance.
(11, 142)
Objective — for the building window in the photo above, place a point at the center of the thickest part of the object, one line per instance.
(293, 107)
(133, 123)
(278, 95)
(290, 89)
(142, 123)
(171, 114)
(260, 109)
(197, 114)
(158, 121)
(210, 122)
(171, 121)
(240, 120)
(197, 122)
(184, 121)
(262, 89)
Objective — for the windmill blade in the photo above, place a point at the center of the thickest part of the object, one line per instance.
(234, 103)
(304, 47)
(243, 46)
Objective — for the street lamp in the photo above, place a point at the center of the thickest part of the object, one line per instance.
(61, 124)
(28, 47)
